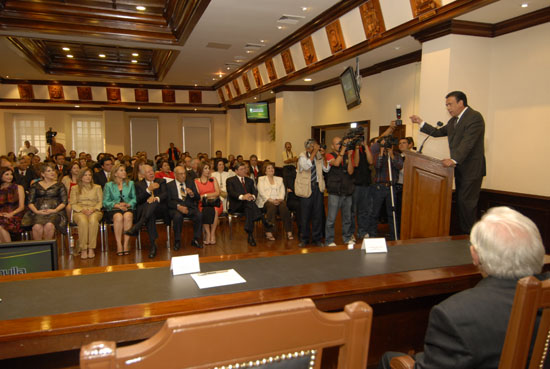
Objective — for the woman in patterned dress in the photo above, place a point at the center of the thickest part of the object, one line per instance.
(12, 204)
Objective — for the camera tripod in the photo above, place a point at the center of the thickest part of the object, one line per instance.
(392, 196)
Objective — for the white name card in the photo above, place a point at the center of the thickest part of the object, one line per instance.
(217, 278)
(374, 245)
(185, 264)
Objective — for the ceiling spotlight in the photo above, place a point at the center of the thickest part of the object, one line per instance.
(397, 47)
(304, 8)
(196, 84)
(228, 68)
(101, 55)
(77, 106)
(135, 54)
(141, 8)
(255, 98)
(272, 92)
(220, 75)
(262, 41)
(307, 79)
(139, 107)
(66, 49)
(213, 78)
(279, 27)
(134, 61)
(195, 109)
(69, 56)
(524, 5)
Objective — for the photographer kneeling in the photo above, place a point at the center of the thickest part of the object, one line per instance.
(381, 188)
(341, 163)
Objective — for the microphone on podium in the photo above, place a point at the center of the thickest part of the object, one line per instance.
(439, 124)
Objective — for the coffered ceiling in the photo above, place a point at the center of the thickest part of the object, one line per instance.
(188, 43)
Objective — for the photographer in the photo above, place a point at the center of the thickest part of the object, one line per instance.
(380, 190)
(341, 164)
(361, 203)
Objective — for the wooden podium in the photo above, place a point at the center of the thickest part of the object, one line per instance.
(427, 193)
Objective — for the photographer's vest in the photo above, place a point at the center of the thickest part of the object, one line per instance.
(302, 184)
(339, 181)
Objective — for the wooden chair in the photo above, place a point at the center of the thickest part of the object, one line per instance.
(531, 297)
(288, 334)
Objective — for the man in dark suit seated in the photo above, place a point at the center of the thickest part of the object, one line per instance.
(183, 200)
(61, 167)
(466, 135)
(104, 174)
(151, 198)
(23, 175)
(468, 329)
(241, 193)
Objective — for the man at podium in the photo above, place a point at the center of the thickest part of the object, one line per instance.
(466, 133)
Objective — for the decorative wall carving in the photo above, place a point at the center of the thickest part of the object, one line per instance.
(308, 49)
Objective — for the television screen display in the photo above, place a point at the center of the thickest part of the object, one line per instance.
(28, 257)
(257, 112)
(350, 88)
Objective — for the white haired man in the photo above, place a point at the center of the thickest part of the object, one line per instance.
(468, 329)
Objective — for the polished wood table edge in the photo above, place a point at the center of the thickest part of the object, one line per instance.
(204, 259)
(374, 289)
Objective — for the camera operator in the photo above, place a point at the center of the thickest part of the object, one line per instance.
(341, 164)
(361, 205)
(55, 147)
(380, 190)
(309, 187)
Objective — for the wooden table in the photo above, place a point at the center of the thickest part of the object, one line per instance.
(401, 303)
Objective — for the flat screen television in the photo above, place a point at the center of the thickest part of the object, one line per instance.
(350, 88)
(24, 257)
(257, 112)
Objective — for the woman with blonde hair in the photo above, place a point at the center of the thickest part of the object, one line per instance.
(119, 199)
(86, 200)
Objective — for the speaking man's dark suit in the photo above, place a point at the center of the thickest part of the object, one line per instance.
(235, 188)
(468, 329)
(191, 203)
(466, 143)
(100, 178)
(147, 213)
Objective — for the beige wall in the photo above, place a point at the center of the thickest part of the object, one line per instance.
(380, 93)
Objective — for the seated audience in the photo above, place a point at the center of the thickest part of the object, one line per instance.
(104, 174)
(72, 156)
(5, 162)
(119, 199)
(231, 161)
(183, 200)
(136, 173)
(47, 201)
(220, 156)
(151, 204)
(12, 204)
(27, 148)
(69, 181)
(468, 329)
(193, 173)
(241, 193)
(164, 170)
(210, 204)
(221, 174)
(271, 196)
(86, 200)
(35, 160)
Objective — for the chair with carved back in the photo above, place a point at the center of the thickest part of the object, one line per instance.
(290, 334)
(532, 296)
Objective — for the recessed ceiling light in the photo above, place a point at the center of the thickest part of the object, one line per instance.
(141, 8)
(66, 49)
(280, 27)
(134, 61)
(524, 5)
(101, 55)
(272, 92)
(304, 8)
(255, 98)
(195, 109)
(135, 54)
(397, 47)
(139, 107)
(307, 79)
(213, 78)
(196, 84)
(77, 106)
(228, 68)
(69, 56)
(262, 41)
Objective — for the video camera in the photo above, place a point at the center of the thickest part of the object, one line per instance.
(355, 136)
(49, 135)
(389, 141)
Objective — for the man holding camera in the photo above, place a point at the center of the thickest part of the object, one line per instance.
(341, 164)
(381, 189)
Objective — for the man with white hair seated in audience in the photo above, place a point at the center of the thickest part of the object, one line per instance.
(468, 329)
